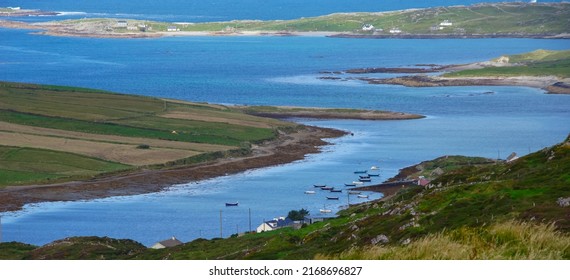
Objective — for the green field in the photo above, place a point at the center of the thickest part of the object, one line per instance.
(22, 165)
(503, 18)
(84, 119)
(537, 63)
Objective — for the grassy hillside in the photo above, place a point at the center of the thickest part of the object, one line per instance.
(501, 18)
(495, 19)
(476, 209)
(51, 132)
(536, 63)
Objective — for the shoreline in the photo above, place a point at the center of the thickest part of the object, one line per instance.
(551, 85)
(58, 29)
(286, 149)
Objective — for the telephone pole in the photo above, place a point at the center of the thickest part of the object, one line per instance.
(249, 219)
(221, 231)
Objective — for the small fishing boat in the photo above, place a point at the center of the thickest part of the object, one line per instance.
(354, 192)
(309, 192)
(374, 175)
(357, 182)
(365, 180)
(350, 185)
(325, 210)
(374, 168)
(364, 176)
(360, 171)
(333, 190)
(326, 188)
(319, 186)
(332, 197)
(362, 196)
(232, 203)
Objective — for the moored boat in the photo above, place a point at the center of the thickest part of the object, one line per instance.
(364, 176)
(374, 174)
(333, 190)
(357, 182)
(309, 192)
(374, 167)
(360, 171)
(232, 203)
(365, 180)
(319, 186)
(332, 197)
(362, 196)
(326, 188)
(350, 185)
(325, 210)
(354, 192)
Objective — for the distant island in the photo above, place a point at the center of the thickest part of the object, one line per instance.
(488, 20)
(544, 69)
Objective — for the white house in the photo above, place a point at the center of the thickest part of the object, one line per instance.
(274, 224)
(368, 27)
(171, 242)
(122, 23)
(395, 31)
(446, 23)
(172, 28)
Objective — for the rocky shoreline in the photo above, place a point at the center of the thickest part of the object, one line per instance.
(549, 84)
(287, 148)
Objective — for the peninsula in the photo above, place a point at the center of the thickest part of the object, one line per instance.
(544, 69)
(487, 20)
(63, 143)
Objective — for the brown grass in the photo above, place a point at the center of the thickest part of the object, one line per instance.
(10, 127)
(507, 240)
(123, 153)
(206, 118)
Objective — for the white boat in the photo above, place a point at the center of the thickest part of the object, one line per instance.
(362, 196)
(354, 192)
(374, 168)
(357, 182)
(309, 192)
(325, 210)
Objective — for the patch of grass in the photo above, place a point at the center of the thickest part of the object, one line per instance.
(548, 68)
(496, 18)
(28, 165)
(14, 250)
(536, 63)
(510, 240)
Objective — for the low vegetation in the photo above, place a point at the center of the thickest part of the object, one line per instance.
(509, 240)
(536, 63)
(475, 209)
(56, 133)
(501, 18)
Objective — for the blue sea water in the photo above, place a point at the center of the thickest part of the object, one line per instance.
(479, 121)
